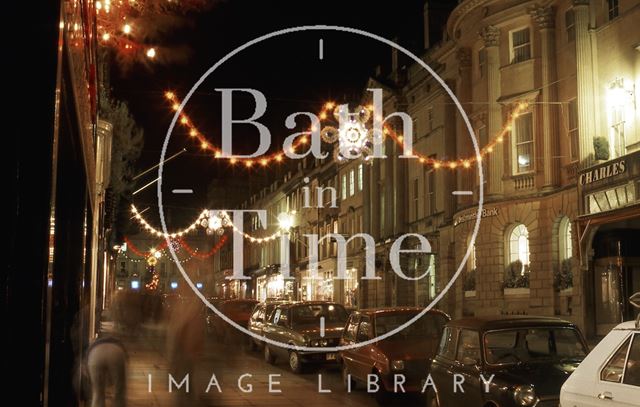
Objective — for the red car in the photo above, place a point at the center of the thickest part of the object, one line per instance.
(239, 311)
(402, 357)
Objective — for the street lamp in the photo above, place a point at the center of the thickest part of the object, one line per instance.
(286, 221)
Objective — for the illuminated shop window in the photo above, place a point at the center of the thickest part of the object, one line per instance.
(612, 198)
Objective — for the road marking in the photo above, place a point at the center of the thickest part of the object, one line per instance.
(182, 191)
(322, 327)
(462, 193)
(321, 49)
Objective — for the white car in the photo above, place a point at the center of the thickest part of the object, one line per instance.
(610, 374)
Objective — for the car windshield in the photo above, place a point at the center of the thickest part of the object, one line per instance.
(311, 314)
(533, 345)
(429, 326)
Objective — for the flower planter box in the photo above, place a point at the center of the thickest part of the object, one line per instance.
(522, 291)
(566, 292)
(471, 293)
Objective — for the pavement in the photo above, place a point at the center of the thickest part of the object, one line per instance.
(228, 362)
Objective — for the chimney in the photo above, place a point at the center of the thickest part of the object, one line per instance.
(425, 18)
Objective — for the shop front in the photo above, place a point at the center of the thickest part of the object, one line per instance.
(270, 284)
(609, 227)
(327, 287)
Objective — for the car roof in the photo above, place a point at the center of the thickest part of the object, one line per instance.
(398, 310)
(507, 321)
(626, 326)
(291, 304)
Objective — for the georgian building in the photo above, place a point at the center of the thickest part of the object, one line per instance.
(560, 181)
(559, 208)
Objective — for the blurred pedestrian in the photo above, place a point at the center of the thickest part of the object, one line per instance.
(107, 364)
(185, 341)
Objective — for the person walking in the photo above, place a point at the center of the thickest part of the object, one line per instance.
(107, 364)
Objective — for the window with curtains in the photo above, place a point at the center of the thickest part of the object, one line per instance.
(360, 177)
(522, 141)
(573, 129)
(344, 186)
(520, 45)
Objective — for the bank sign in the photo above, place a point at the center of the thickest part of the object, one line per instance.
(486, 212)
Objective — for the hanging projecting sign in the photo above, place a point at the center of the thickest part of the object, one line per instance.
(604, 172)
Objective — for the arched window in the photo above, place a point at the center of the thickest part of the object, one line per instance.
(519, 246)
(563, 276)
(564, 239)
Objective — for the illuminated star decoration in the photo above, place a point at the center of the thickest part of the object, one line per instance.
(353, 137)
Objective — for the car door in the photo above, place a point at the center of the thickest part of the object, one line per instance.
(619, 381)
(467, 365)
(443, 366)
(362, 362)
(273, 330)
(349, 338)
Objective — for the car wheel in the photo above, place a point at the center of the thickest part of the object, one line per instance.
(348, 381)
(268, 356)
(295, 363)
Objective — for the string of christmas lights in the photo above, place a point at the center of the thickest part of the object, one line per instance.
(194, 252)
(204, 215)
(150, 229)
(278, 157)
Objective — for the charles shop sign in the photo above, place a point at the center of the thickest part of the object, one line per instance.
(486, 212)
(604, 172)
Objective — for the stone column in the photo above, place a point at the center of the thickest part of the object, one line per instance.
(545, 20)
(464, 146)
(584, 76)
(491, 37)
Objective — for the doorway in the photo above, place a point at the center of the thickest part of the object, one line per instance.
(616, 274)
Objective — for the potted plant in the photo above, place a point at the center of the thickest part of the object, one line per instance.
(563, 276)
(469, 283)
(516, 278)
(601, 148)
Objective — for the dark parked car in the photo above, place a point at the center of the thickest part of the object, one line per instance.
(405, 354)
(238, 311)
(299, 324)
(261, 312)
(528, 359)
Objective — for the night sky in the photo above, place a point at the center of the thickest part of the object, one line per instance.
(287, 69)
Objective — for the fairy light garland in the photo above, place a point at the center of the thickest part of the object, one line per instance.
(278, 157)
(264, 161)
(194, 252)
(151, 230)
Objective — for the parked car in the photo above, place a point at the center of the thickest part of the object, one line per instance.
(406, 353)
(237, 310)
(299, 324)
(261, 312)
(610, 374)
(523, 360)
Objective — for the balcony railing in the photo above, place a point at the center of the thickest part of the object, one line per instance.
(523, 182)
